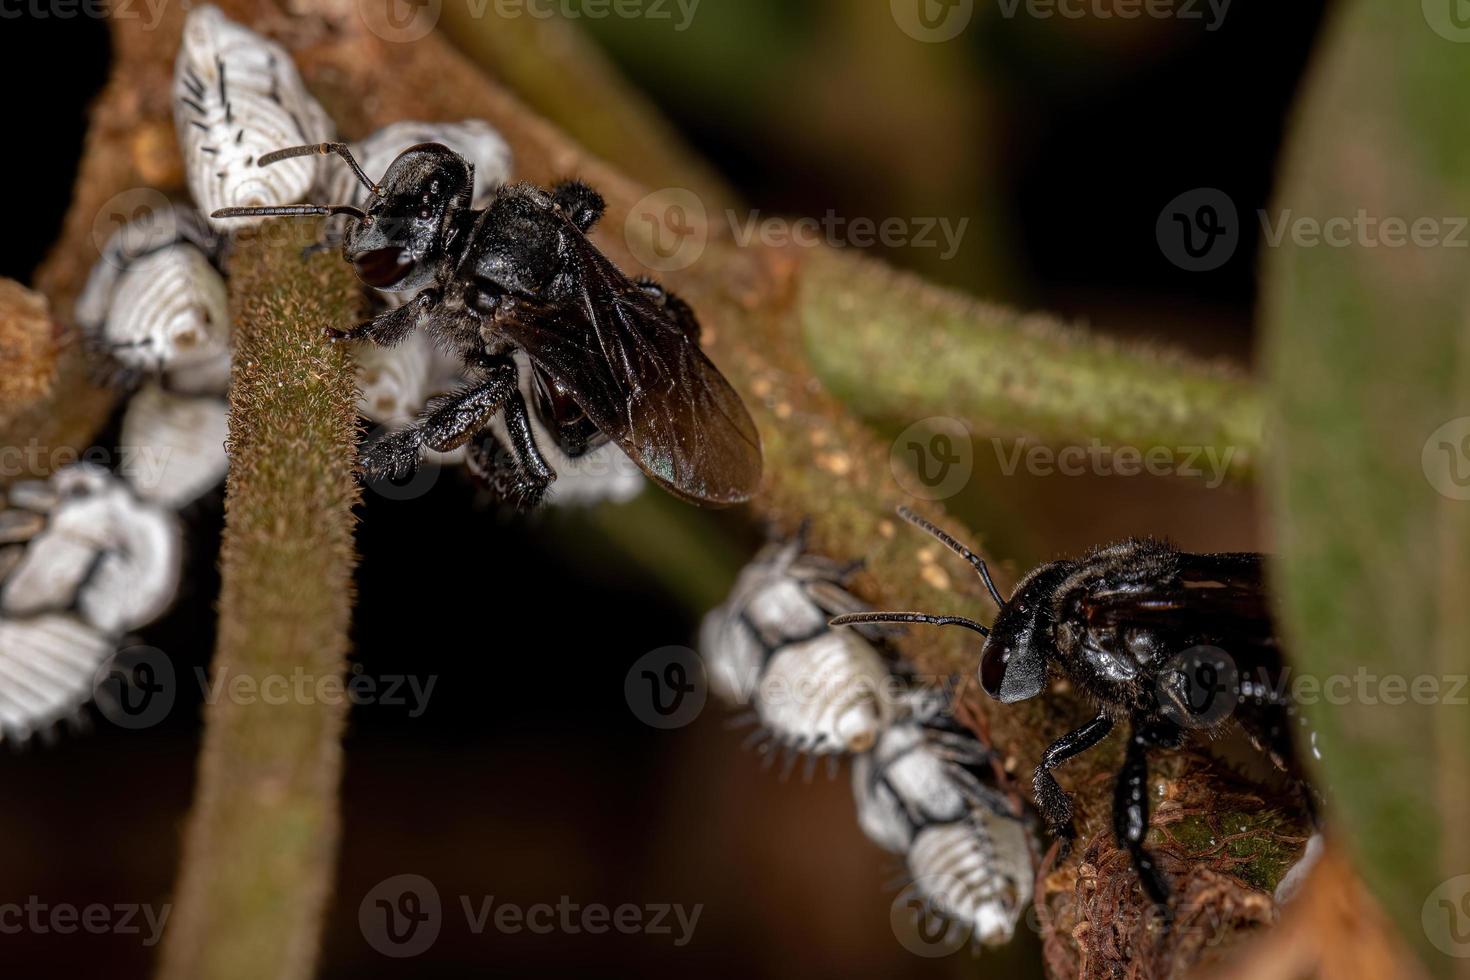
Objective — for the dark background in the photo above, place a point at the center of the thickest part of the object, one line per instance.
(528, 778)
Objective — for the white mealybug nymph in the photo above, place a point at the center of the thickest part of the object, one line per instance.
(173, 445)
(395, 383)
(237, 96)
(97, 549)
(926, 792)
(814, 689)
(48, 667)
(474, 139)
(156, 303)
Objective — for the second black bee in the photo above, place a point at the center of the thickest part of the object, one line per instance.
(1161, 641)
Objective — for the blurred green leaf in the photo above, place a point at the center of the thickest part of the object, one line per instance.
(1367, 335)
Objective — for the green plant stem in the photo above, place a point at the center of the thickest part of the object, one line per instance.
(898, 350)
(261, 842)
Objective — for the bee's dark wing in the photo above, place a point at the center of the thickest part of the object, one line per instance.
(644, 382)
(1214, 600)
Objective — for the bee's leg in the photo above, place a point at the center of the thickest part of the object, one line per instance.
(1130, 809)
(1271, 724)
(388, 329)
(451, 423)
(535, 473)
(681, 312)
(493, 465)
(1055, 805)
(454, 420)
(394, 457)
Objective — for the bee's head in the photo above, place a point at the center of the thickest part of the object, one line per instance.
(396, 244)
(1013, 659)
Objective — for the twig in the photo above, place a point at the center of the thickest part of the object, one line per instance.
(261, 843)
(1010, 374)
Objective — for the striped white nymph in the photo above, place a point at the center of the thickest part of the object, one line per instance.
(156, 303)
(926, 792)
(173, 445)
(813, 689)
(97, 550)
(236, 97)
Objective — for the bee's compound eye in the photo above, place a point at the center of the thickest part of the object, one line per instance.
(993, 668)
(1012, 672)
(383, 267)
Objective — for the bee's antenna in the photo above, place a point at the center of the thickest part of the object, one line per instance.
(289, 210)
(311, 149)
(857, 619)
(957, 548)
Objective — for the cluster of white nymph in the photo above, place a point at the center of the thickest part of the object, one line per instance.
(925, 787)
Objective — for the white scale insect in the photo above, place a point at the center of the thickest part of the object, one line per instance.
(156, 303)
(815, 690)
(236, 97)
(83, 561)
(925, 792)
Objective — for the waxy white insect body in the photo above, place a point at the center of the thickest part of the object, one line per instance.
(926, 791)
(102, 552)
(814, 689)
(156, 302)
(474, 139)
(48, 667)
(86, 561)
(237, 96)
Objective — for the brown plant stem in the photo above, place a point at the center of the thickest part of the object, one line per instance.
(261, 842)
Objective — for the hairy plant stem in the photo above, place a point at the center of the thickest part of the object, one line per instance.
(261, 842)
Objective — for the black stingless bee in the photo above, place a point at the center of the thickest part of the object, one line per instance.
(610, 358)
(1160, 640)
